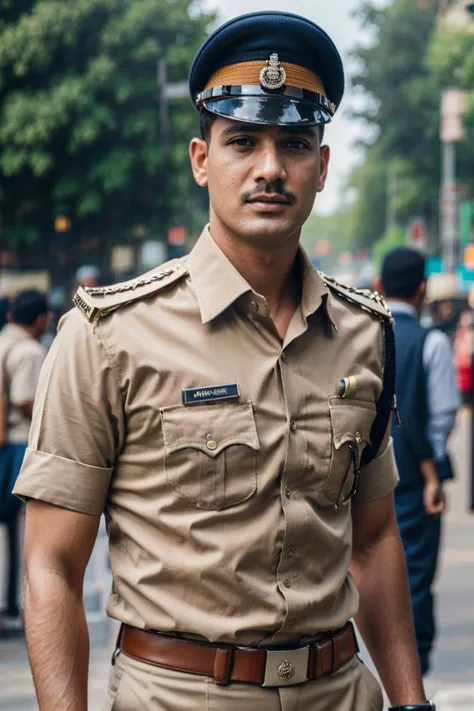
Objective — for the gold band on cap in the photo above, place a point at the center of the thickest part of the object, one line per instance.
(248, 73)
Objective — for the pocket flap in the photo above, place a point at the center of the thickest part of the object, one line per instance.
(209, 428)
(351, 420)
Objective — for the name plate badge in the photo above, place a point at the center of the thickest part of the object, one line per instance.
(191, 396)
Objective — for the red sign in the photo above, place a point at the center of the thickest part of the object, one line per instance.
(177, 235)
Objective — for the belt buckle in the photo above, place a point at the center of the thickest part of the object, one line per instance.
(286, 667)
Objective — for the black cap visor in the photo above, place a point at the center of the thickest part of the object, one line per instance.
(289, 106)
(270, 110)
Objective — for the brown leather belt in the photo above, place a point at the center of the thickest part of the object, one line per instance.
(227, 663)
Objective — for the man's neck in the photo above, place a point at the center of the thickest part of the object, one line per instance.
(402, 305)
(271, 272)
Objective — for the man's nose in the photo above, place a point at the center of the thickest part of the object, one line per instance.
(269, 165)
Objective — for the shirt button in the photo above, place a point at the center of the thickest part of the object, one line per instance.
(287, 583)
(211, 443)
(283, 356)
(288, 492)
(254, 305)
(289, 551)
(293, 425)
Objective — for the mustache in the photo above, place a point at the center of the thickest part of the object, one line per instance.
(265, 188)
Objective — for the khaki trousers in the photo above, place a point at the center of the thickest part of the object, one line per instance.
(136, 686)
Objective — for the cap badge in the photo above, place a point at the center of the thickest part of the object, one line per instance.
(273, 76)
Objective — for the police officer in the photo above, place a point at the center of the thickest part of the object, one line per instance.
(229, 413)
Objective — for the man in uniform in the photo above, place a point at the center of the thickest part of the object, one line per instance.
(229, 413)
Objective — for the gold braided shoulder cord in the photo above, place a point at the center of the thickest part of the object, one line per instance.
(367, 293)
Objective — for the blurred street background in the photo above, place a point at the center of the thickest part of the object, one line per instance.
(95, 187)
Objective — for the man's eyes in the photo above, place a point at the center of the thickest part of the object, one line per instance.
(242, 142)
(296, 144)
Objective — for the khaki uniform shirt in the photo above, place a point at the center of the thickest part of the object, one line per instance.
(221, 515)
(21, 359)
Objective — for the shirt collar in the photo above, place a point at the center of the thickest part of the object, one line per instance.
(402, 308)
(218, 284)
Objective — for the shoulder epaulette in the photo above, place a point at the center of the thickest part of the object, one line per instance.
(371, 301)
(96, 302)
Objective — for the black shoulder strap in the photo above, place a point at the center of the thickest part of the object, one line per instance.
(386, 401)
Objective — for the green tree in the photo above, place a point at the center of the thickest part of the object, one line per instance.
(403, 111)
(80, 120)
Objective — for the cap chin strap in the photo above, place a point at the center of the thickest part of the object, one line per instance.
(290, 92)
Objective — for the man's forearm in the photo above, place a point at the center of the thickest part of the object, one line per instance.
(385, 618)
(58, 642)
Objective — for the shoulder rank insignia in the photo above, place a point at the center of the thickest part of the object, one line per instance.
(96, 302)
(371, 301)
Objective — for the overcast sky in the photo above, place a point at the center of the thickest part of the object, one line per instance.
(335, 18)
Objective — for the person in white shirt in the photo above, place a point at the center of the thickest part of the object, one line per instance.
(21, 359)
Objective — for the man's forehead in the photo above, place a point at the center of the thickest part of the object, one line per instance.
(229, 127)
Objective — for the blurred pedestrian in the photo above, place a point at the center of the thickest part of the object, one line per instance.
(21, 359)
(87, 275)
(463, 354)
(427, 403)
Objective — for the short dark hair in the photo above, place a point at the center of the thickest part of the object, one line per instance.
(207, 118)
(403, 272)
(28, 305)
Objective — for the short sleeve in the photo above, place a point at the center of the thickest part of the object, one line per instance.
(25, 373)
(380, 477)
(77, 427)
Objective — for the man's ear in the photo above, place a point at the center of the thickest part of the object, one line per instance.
(324, 156)
(198, 155)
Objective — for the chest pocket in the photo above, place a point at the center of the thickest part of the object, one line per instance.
(211, 453)
(351, 423)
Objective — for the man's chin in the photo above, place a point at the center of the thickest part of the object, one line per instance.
(267, 227)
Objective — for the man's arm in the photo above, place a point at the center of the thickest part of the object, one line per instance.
(385, 617)
(58, 545)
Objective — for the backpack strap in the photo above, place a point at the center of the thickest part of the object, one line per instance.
(387, 400)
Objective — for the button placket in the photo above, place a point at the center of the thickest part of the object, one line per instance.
(287, 572)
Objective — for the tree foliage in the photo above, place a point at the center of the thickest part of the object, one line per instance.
(80, 123)
(404, 99)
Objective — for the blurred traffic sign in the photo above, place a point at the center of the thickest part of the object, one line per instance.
(453, 106)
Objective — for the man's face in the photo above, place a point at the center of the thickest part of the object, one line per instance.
(262, 180)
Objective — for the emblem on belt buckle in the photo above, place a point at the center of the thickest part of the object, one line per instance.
(286, 670)
(273, 76)
(286, 667)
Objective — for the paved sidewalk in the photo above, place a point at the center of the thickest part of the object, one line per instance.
(451, 682)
